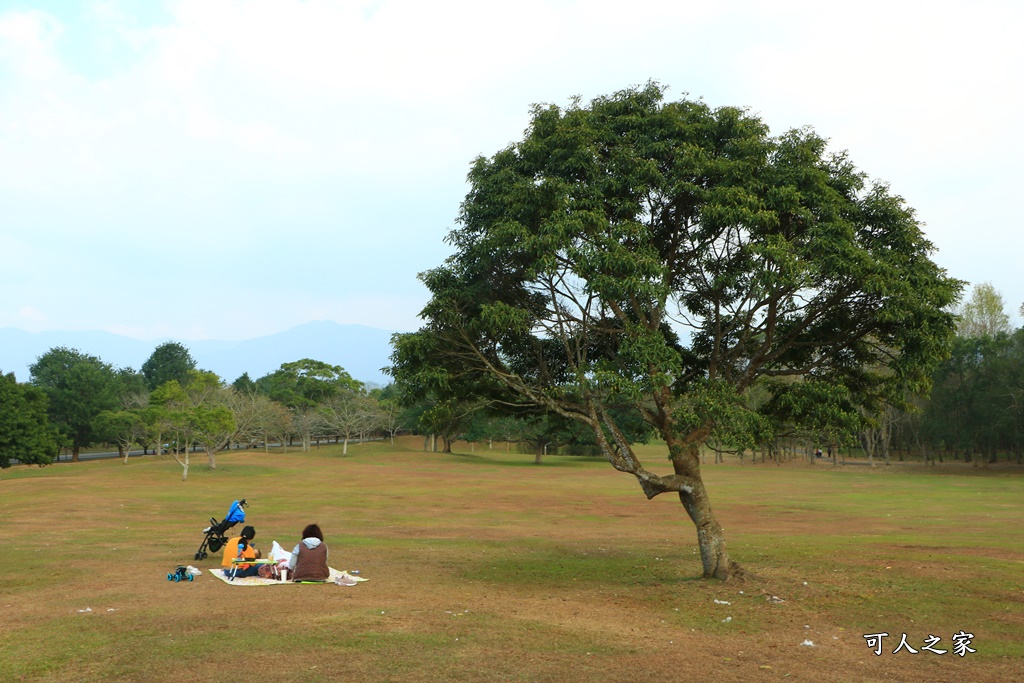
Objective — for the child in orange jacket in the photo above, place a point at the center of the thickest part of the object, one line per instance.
(241, 546)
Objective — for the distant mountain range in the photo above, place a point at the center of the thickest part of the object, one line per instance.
(361, 350)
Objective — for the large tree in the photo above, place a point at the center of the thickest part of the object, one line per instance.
(26, 434)
(673, 256)
(79, 387)
(169, 361)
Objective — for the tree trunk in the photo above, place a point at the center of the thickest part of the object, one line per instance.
(684, 452)
(344, 449)
(183, 463)
(74, 453)
(714, 555)
(538, 454)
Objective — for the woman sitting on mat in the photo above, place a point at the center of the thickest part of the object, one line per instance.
(309, 559)
(241, 546)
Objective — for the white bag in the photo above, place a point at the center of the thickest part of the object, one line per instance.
(279, 554)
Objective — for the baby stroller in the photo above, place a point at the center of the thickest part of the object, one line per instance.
(216, 537)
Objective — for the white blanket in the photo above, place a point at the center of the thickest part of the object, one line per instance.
(337, 578)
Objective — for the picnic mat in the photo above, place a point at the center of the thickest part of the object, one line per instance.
(342, 578)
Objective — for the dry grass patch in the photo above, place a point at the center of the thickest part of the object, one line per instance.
(483, 567)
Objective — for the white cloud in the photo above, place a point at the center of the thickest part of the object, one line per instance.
(230, 142)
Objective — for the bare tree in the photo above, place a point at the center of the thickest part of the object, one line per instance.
(277, 424)
(390, 413)
(346, 413)
(306, 422)
(252, 414)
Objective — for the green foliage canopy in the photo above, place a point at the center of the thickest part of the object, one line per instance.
(306, 383)
(169, 361)
(978, 401)
(26, 434)
(669, 251)
(983, 314)
(79, 387)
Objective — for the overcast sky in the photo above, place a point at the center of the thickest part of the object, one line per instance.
(224, 169)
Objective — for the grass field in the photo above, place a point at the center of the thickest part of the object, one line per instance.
(485, 567)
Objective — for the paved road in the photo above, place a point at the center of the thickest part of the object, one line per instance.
(99, 456)
(115, 454)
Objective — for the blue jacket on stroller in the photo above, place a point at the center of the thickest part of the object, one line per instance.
(215, 534)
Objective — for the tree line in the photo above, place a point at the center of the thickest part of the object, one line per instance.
(975, 410)
(74, 400)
